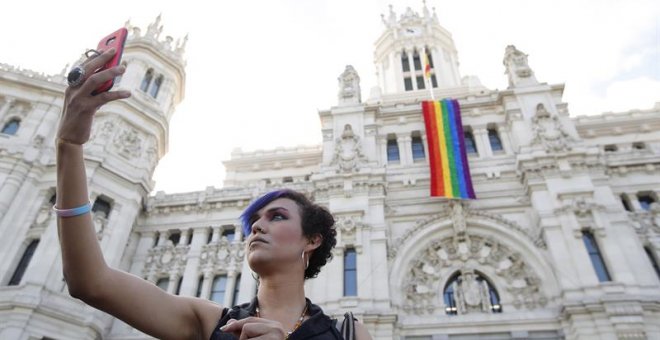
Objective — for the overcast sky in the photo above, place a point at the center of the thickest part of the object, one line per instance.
(258, 71)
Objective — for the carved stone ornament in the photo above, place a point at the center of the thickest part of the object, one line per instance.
(166, 259)
(129, 143)
(348, 151)
(423, 284)
(349, 86)
(222, 255)
(471, 295)
(549, 132)
(461, 217)
(348, 226)
(100, 223)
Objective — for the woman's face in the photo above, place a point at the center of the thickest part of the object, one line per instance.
(276, 240)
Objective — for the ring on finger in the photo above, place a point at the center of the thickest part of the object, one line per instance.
(91, 53)
(76, 76)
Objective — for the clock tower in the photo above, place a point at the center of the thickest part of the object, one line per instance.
(399, 53)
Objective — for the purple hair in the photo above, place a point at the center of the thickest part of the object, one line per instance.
(257, 204)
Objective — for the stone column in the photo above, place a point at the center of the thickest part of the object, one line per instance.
(145, 243)
(482, 142)
(382, 143)
(171, 286)
(10, 187)
(403, 151)
(229, 289)
(5, 107)
(191, 272)
(206, 284)
(504, 138)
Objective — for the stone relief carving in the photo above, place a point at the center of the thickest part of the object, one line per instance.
(468, 215)
(549, 132)
(166, 259)
(423, 284)
(222, 255)
(471, 295)
(348, 151)
(348, 226)
(349, 86)
(129, 143)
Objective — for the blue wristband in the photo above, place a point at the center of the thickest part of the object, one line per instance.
(81, 210)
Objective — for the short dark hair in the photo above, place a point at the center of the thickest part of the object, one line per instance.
(315, 220)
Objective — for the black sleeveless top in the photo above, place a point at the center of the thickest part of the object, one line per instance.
(318, 327)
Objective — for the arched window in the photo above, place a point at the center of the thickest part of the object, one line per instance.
(405, 62)
(146, 81)
(392, 149)
(237, 288)
(494, 139)
(645, 200)
(457, 285)
(653, 259)
(596, 257)
(163, 283)
(200, 283)
(11, 127)
(350, 272)
(229, 233)
(219, 289)
(417, 147)
(470, 145)
(153, 91)
(417, 61)
(23, 263)
(175, 237)
(103, 206)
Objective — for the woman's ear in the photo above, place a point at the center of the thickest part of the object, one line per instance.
(314, 242)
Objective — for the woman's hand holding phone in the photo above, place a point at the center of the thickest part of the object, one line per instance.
(80, 104)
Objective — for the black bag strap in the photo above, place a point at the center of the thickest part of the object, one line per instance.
(347, 326)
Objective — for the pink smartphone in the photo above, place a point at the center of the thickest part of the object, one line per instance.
(117, 40)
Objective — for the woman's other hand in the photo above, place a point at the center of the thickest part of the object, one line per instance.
(253, 327)
(79, 103)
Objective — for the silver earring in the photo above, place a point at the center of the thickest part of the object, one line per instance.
(255, 276)
(305, 262)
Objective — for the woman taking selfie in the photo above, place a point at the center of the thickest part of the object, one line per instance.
(288, 239)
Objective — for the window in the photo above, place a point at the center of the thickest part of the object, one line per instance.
(457, 280)
(595, 256)
(494, 139)
(417, 147)
(178, 286)
(407, 83)
(417, 62)
(405, 64)
(653, 259)
(53, 199)
(639, 146)
(163, 283)
(626, 202)
(429, 57)
(229, 233)
(23, 263)
(392, 149)
(420, 83)
(645, 201)
(153, 91)
(146, 81)
(103, 206)
(210, 237)
(237, 288)
(11, 127)
(287, 179)
(610, 148)
(470, 146)
(200, 283)
(350, 273)
(175, 237)
(219, 288)
(434, 81)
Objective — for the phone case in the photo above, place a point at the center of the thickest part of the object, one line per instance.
(117, 40)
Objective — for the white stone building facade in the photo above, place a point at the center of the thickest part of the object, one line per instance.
(563, 241)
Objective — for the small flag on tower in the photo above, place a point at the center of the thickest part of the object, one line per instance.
(427, 65)
(450, 172)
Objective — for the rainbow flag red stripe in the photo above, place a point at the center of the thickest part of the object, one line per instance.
(450, 171)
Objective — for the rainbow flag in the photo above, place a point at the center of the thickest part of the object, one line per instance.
(450, 172)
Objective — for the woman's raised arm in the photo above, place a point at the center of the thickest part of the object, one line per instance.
(88, 277)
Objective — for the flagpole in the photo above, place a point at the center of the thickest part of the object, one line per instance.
(427, 78)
